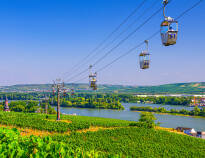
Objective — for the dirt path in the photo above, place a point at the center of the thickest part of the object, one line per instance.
(169, 130)
(35, 132)
(29, 131)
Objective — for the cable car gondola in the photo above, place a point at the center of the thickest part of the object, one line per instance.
(72, 91)
(92, 79)
(64, 90)
(144, 58)
(169, 29)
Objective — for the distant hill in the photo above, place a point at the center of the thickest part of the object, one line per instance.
(178, 88)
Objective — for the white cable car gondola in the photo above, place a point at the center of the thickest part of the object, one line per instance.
(144, 58)
(92, 79)
(169, 29)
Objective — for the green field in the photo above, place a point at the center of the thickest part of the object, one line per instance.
(115, 138)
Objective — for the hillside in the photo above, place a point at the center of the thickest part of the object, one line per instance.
(39, 135)
(178, 88)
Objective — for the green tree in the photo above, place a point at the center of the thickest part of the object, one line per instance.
(148, 119)
(1, 107)
(18, 108)
(196, 111)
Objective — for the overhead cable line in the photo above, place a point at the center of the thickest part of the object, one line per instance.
(121, 33)
(125, 54)
(189, 9)
(121, 42)
(76, 66)
(149, 38)
(127, 37)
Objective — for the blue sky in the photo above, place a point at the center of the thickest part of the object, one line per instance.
(40, 40)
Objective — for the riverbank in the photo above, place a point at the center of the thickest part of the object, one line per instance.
(198, 113)
(168, 121)
(96, 107)
(174, 114)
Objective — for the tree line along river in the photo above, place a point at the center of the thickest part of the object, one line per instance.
(169, 121)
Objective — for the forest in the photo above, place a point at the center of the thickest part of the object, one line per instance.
(29, 106)
(28, 102)
(100, 98)
(169, 100)
(89, 101)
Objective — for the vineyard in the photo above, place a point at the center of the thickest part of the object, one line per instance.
(48, 123)
(15, 146)
(122, 142)
(73, 137)
(136, 142)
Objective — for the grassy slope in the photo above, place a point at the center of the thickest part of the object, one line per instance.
(188, 88)
(40, 122)
(121, 141)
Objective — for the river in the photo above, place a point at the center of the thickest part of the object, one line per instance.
(169, 121)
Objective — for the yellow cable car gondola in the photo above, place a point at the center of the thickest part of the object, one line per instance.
(169, 29)
(144, 58)
(92, 79)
